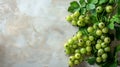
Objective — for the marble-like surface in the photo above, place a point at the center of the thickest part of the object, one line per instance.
(32, 33)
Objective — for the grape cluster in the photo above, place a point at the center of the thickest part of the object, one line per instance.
(82, 45)
(77, 19)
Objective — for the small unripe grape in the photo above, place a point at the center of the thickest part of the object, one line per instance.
(71, 63)
(107, 49)
(98, 46)
(75, 38)
(109, 9)
(99, 41)
(74, 46)
(76, 13)
(79, 23)
(66, 45)
(79, 34)
(81, 41)
(99, 32)
(77, 56)
(83, 50)
(104, 56)
(72, 58)
(100, 51)
(81, 18)
(88, 42)
(88, 49)
(74, 22)
(87, 19)
(91, 38)
(76, 62)
(67, 51)
(70, 41)
(103, 45)
(98, 59)
(105, 30)
(90, 29)
(107, 40)
(85, 38)
(102, 37)
(95, 26)
(99, 9)
(101, 25)
(77, 51)
(69, 18)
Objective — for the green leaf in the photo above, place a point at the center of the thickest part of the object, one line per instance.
(90, 6)
(82, 3)
(111, 25)
(117, 48)
(74, 5)
(117, 32)
(83, 10)
(91, 60)
(93, 1)
(102, 1)
(116, 18)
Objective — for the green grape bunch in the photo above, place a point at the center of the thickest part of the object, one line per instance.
(95, 19)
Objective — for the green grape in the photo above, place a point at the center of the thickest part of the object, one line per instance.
(75, 38)
(99, 41)
(70, 41)
(85, 37)
(76, 13)
(76, 62)
(81, 41)
(99, 32)
(69, 18)
(95, 26)
(79, 34)
(100, 51)
(77, 51)
(71, 63)
(77, 56)
(103, 45)
(87, 19)
(102, 37)
(67, 51)
(104, 56)
(80, 23)
(101, 25)
(73, 16)
(105, 30)
(74, 46)
(107, 49)
(83, 51)
(81, 18)
(91, 38)
(72, 58)
(109, 9)
(66, 45)
(99, 9)
(98, 46)
(98, 59)
(88, 49)
(88, 42)
(90, 29)
(107, 40)
(74, 22)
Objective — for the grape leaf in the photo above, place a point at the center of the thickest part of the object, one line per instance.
(90, 6)
(82, 3)
(74, 5)
(102, 1)
(93, 1)
(117, 32)
(91, 60)
(111, 25)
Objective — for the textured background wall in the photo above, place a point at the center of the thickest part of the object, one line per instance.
(32, 33)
